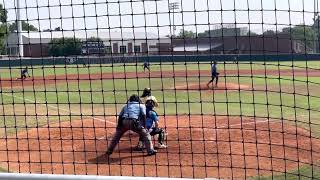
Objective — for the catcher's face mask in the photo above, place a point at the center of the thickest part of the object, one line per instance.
(150, 104)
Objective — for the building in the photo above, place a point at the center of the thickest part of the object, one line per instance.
(280, 44)
(225, 30)
(36, 44)
(92, 47)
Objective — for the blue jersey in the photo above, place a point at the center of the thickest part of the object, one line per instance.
(146, 64)
(152, 117)
(24, 71)
(214, 69)
(133, 110)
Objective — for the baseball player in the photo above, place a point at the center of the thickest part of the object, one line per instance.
(214, 74)
(146, 94)
(235, 59)
(132, 117)
(24, 74)
(152, 124)
(146, 65)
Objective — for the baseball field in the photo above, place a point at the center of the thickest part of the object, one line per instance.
(262, 120)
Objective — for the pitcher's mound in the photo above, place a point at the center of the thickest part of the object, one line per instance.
(221, 86)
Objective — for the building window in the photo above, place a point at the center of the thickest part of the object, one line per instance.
(153, 47)
(123, 49)
(13, 51)
(137, 49)
(108, 49)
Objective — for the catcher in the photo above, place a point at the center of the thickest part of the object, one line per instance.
(152, 124)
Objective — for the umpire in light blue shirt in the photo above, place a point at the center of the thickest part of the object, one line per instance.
(132, 117)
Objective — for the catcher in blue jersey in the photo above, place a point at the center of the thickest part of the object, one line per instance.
(152, 124)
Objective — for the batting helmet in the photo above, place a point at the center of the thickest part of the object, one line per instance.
(146, 92)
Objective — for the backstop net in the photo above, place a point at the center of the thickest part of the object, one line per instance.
(232, 88)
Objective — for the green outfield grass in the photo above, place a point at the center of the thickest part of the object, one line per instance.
(304, 173)
(31, 108)
(42, 71)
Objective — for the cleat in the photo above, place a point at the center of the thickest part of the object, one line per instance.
(108, 153)
(162, 146)
(139, 147)
(151, 153)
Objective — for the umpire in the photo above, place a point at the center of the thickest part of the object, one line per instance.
(129, 119)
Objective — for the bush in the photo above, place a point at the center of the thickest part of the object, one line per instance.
(65, 47)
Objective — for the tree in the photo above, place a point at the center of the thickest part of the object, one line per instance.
(171, 36)
(316, 24)
(55, 29)
(46, 30)
(270, 33)
(94, 39)
(303, 33)
(3, 14)
(3, 36)
(25, 27)
(3, 29)
(251, 33)
(65, 47)
(186, 34)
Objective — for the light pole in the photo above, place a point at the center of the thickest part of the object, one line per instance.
(19, 29)
(174, 6)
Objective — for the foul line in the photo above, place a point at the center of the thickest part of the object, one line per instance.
(240, 124)
(61, 109)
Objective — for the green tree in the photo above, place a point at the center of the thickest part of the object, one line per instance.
(251, 33)
(3, 36)
(25, 27)
(3, 29)
(270, 33)
(303, 33)
(186, 34)
(316, 24)
(94, 39)
(3, 14)
(65, 47)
